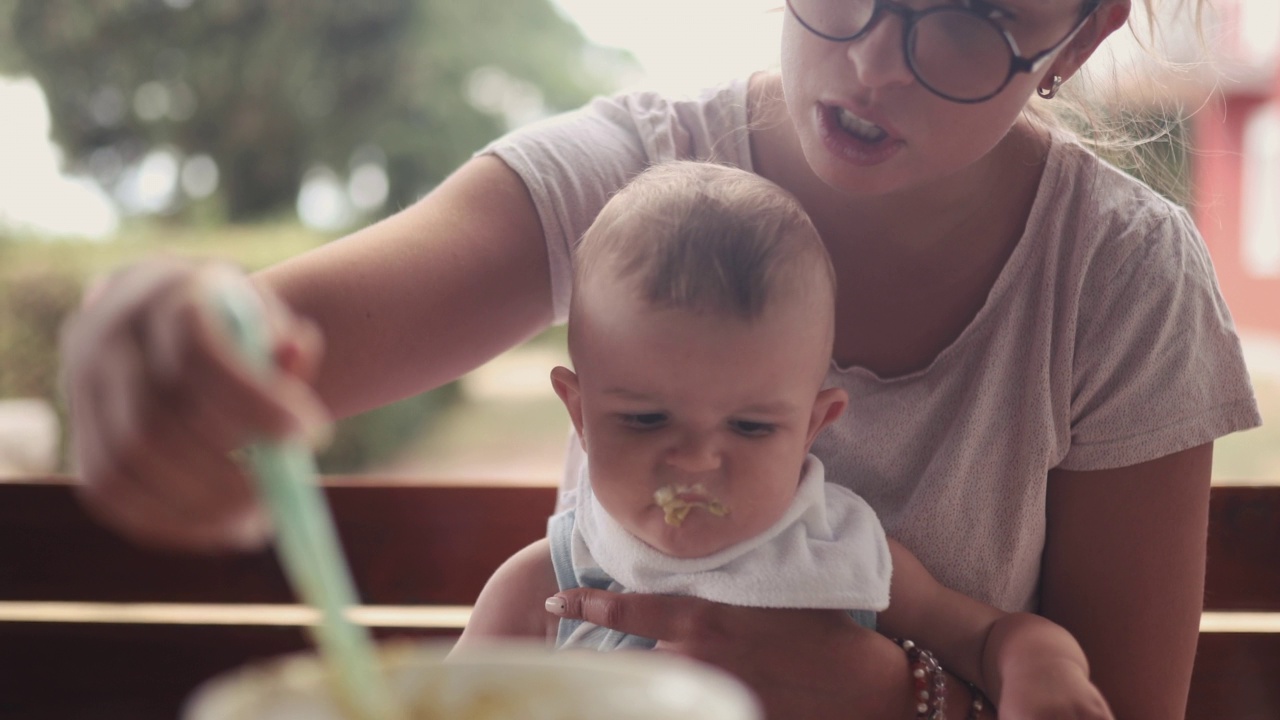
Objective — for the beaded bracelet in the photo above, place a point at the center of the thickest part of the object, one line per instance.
(977, 703)
(929, 680)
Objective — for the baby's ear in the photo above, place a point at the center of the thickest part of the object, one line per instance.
(827, 407)
(565, 383)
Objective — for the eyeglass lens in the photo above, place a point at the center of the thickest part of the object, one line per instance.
(953, 51)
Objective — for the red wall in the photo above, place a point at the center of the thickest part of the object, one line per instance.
(1218, 176)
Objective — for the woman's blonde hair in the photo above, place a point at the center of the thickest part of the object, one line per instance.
(1144, 135)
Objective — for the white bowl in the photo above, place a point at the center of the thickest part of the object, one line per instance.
(501, 681)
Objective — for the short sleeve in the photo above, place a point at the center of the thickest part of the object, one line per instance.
(573, 163)
(1158, 366)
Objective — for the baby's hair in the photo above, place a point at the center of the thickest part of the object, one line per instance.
(703, 237)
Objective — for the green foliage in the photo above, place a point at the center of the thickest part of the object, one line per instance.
(374, 437)
(33, 305)
(268, 88)
(41, 283)
(1156, 152)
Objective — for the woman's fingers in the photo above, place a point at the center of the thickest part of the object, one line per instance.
(193, 358)
(299, 344)
(159, 396)
(154, 480)
(666, 618)
(857, 674)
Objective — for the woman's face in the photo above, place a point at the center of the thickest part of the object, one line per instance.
(865, 124)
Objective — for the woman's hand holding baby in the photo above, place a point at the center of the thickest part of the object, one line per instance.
(803, 664)
(160, 399)
(817, 664)
(1054, 689)
(1036, 671)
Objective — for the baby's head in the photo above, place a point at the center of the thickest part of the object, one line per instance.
(707, 239)
(700, 330)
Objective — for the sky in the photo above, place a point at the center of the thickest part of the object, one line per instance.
(685, 45)
(34, 195)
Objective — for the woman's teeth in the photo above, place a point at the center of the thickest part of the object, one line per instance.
(870, 132)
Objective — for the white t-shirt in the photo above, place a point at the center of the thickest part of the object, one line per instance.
(1103, 343)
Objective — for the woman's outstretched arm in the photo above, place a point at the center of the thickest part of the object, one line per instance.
(158, 400)
(426, 295)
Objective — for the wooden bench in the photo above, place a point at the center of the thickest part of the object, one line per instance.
(92, 627)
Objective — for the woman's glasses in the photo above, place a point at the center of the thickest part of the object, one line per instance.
(958, 52)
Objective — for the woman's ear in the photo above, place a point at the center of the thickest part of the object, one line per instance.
(565, 383)
(828, 406)
(1110, 16)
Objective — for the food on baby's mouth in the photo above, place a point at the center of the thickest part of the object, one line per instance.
(677, 501)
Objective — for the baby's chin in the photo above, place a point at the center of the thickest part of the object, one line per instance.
(701, 534)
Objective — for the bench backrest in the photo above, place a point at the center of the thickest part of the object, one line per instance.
(413, 544)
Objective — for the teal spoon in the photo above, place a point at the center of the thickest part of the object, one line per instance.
(305, 538)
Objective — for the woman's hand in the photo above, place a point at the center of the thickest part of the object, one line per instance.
(803, 664)
(1051, 690)
(159, 398)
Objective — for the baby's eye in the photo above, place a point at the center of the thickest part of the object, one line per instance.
(749, 428)
(643, 421)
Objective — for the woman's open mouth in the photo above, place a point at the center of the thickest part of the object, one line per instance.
(863, 129)
(855, 139)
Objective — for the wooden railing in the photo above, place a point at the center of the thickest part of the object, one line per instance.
(91, 626)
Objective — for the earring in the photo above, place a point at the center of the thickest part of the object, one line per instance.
(1049, 92)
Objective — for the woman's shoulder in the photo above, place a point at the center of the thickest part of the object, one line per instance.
(708, 125)
(660, 126)
(1102, 215)
(1093, 189)
(712, 98)
(1122, 246)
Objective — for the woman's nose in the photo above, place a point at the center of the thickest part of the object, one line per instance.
(694, 453)
(878, 58)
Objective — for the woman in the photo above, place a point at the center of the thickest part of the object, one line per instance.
(1036, 353)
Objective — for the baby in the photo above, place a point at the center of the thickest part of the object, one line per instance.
(701, 330)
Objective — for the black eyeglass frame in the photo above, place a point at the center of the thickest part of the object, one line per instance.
(1017, 63)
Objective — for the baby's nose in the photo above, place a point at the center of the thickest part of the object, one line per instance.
(694, 454)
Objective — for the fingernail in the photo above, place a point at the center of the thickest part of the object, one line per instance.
(555, 605)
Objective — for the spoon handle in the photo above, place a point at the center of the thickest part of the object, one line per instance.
(306, 541)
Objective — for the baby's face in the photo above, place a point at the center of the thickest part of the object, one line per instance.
(716, 410)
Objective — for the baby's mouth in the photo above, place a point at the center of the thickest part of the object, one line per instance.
(677, 501)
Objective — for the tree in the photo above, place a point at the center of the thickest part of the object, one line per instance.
(268, 88)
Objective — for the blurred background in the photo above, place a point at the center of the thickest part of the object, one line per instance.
(252, 130)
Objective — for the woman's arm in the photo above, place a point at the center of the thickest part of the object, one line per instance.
(426, 295)
(1123, 571)
(158, 399)
(951, 625)
(1030, 666)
